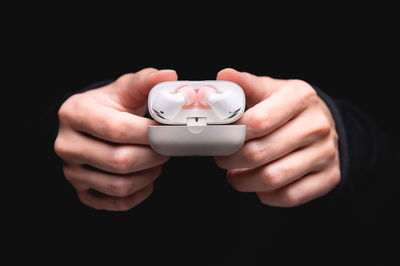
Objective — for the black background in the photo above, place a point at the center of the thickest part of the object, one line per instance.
(349, 53)
(346, 51)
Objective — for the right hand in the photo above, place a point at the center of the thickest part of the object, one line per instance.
(102, 140)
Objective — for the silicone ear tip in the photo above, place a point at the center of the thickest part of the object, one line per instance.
(190, 94)
(203, 93)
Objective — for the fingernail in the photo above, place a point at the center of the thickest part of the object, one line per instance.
(166, 70)
(161, 71)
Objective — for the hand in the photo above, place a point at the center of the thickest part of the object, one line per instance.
(290, 155)
(102, 140)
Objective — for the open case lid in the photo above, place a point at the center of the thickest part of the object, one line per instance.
(196, 110)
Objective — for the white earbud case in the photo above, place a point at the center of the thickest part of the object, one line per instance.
(196, 129)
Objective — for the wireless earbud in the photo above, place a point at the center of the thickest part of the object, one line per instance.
(196, 118)
(168, 104)
(225, 104)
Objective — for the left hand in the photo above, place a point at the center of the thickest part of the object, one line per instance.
(291, 151)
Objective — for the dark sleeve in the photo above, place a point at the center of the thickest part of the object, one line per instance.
(367, 154)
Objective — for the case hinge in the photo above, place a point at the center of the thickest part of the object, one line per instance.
(196, 121)
(196, 125)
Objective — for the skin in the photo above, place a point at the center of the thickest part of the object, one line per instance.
(290, 155)
(103, 143)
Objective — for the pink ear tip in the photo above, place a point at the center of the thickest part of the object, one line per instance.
(189, 93)
(203, 93)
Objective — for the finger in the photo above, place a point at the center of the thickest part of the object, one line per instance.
(255, 88)
(286, 170)
(303, 190)
(107, 123)
(133, 88)
(105, 202)
(284, 104)
(74, 147)
(301, 131)
(108, 183)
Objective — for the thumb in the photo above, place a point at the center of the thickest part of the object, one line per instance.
(133, 89)
(255, 88)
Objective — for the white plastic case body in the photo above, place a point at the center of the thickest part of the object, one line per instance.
(196, 131)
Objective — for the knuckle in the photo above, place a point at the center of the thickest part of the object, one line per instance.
(331, 151)
(335, 177)
(128, 79)
(84, 198)
(239, 188)
(291, 198)
(258, 122)
(64, 113)
(220, 161)
(155, 171)
(122, 160)
(87, 198)
(307, 92)
(69, 174)
(125, 79)
(252, 152)
(263, 199)
(235, 184)
(114, 129)
(290, 85)
(61, 147)
(66, 110)
(272, 177)
(301, 89)
(321, 126)
(120, 187)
